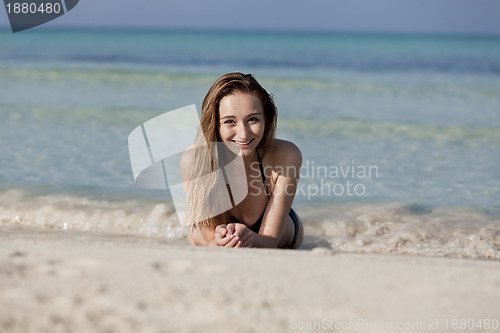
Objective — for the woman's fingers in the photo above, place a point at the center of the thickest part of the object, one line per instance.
(221, 230)
(221, 235)
(245, 235)
(234, 240)
(240, 230)
(222, 241)
(246, 239)
(230, 228)
(233, 235)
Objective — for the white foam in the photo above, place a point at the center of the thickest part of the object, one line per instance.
(62, 212)
(400, 229)
(363, 228)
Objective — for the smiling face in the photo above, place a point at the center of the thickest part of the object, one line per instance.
(241, 122)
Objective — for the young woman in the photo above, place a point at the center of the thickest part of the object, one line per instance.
(239, 113)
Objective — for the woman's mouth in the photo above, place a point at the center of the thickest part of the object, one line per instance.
(242, 143)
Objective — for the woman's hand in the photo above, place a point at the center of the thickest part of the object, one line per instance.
(241, 232)
(224, 236)
(233, 235)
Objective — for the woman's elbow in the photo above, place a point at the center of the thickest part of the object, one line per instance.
(195, 237)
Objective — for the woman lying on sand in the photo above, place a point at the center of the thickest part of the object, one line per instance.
(239, 113)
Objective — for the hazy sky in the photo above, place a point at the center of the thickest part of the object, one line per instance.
(441, 16)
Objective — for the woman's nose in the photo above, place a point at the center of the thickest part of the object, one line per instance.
(242, 131)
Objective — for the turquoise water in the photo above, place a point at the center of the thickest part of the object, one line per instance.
(423, 110)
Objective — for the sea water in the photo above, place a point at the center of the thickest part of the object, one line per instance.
(400, 134)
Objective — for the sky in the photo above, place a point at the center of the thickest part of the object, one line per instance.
(396, 16)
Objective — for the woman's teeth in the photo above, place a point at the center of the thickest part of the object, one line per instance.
(242, 143)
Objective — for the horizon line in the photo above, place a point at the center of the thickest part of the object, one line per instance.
(44, 28)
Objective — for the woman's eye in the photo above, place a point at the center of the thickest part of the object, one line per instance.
(229, 121)
(253, 119)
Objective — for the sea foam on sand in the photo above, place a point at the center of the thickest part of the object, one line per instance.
(57, 281)
(392, 228)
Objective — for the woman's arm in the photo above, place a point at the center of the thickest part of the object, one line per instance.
(200, 236)
(289, 160)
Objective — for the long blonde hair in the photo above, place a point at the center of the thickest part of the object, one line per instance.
(207, 160)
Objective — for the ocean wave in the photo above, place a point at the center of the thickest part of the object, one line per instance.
(363, 228)
(404, 229)
(79, 213)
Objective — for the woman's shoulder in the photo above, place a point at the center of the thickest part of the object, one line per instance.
(283, 153)
(188, 155)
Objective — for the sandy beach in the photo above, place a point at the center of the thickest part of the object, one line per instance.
(59, 281)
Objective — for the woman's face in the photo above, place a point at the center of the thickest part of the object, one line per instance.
(241, 122)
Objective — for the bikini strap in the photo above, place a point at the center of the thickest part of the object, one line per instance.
(262, 173)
